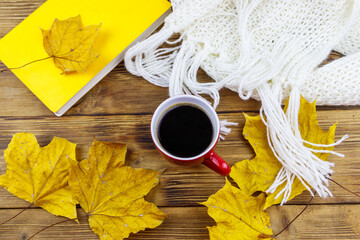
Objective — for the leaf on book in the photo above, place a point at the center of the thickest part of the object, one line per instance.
(111, 194)
(238, 215)
(70, 44)
(260, 172)
(40, 175)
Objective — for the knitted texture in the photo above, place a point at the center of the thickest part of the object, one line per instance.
(338, 81)
(351, 42)
(265, 49)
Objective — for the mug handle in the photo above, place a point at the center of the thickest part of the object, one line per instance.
(216, 163)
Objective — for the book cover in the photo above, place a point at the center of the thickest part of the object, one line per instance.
(122, 23)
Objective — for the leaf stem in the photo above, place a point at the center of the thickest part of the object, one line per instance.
(307, 205)
(38, 60)
(41, 230)
(343, 187)
(16, 214)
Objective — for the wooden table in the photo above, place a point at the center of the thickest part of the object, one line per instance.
(119, 109)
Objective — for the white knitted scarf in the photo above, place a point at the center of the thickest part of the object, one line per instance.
(268, 50)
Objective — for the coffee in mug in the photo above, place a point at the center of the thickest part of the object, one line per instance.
(186, 129)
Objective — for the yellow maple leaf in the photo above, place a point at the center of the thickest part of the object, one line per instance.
(70, 44)
(111, 194)
(260, 172)
(238, 215)
(40, 175)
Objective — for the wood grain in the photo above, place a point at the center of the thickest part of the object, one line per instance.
(180, 186)
(318, 222)
(118, 93)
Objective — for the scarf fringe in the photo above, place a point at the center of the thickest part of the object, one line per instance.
(288, 146)
(146, 59)
(174, 67)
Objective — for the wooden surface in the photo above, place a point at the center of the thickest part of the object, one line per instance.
(119, 109)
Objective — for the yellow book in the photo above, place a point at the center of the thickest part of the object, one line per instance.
(123, 23)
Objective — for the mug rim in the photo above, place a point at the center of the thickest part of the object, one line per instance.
(176, 100)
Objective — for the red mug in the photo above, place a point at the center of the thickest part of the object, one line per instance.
(208, 157)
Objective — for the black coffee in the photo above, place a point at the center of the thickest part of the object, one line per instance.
(185, 131)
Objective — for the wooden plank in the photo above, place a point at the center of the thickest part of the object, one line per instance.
(118, 93)
(180, 186)
(14, 11)
(182, 223)
(317, 222)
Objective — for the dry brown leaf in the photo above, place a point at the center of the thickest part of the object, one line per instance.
(238, 215)
(111, 194)
(260, 172)
(70, 44)
(40, 175)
